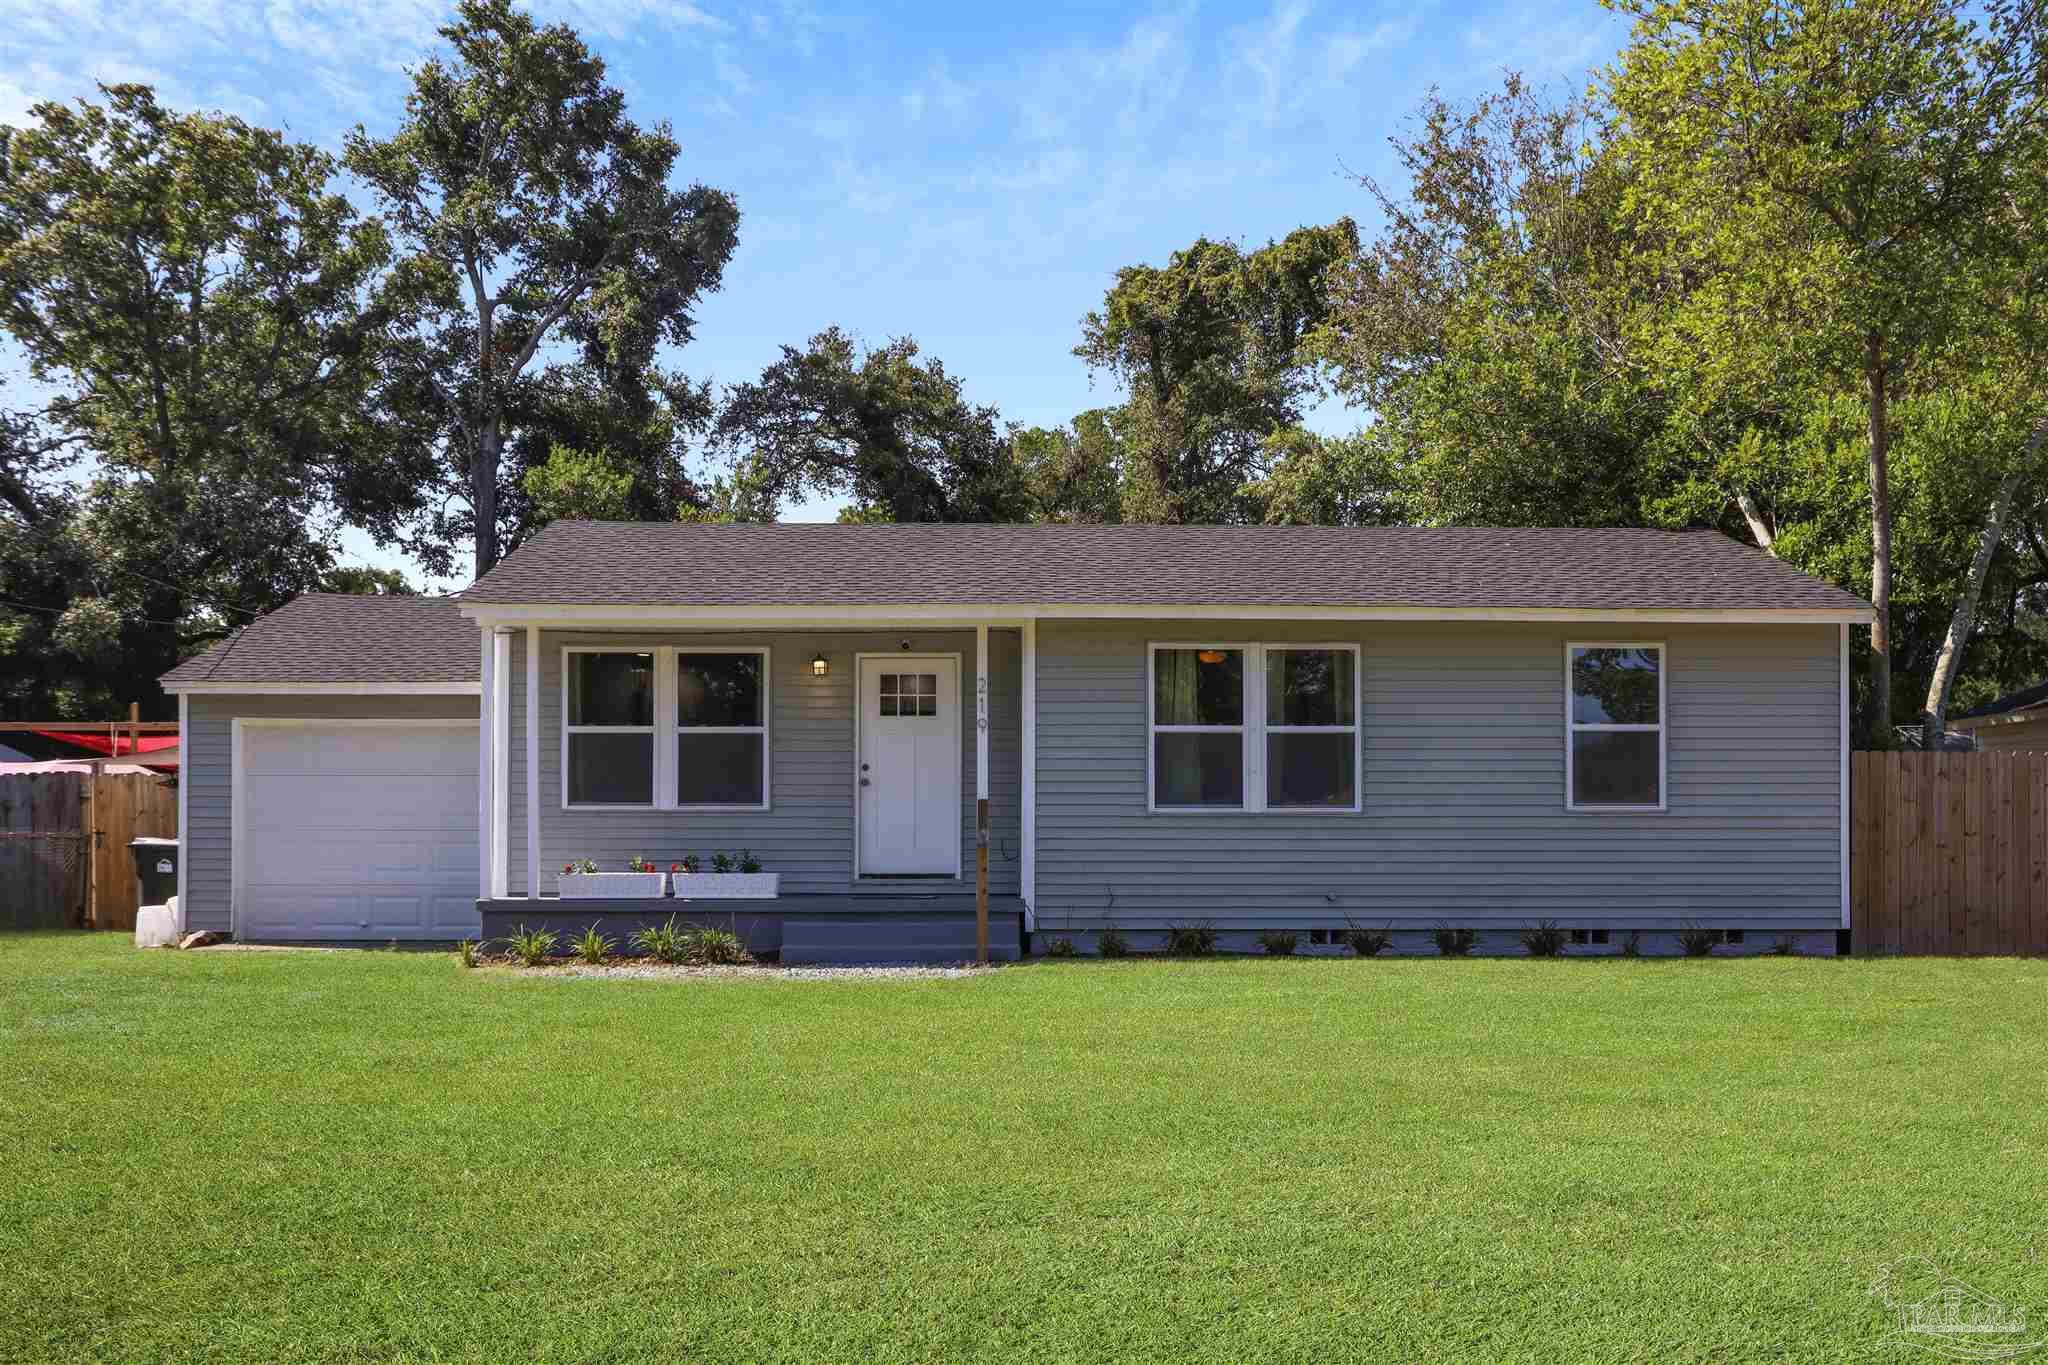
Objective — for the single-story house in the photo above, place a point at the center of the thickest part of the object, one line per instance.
(2017, 720)
(1307, 728)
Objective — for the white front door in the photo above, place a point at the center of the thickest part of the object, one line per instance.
(909, 778)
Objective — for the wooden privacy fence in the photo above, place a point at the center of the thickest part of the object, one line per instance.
(1948, 852)
(64, 858)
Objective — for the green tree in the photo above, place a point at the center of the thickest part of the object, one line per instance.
(578, 485)
(1820, 173)
(1209, 350)
(532, 212)
(1075, 472)
(204, 315)
(892, 433)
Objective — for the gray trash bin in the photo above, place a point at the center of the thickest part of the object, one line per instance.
(156, 867)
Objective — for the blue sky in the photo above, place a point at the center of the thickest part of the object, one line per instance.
(972, 176)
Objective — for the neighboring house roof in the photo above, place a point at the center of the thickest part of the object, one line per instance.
(2011, 705)
(687, 564)
(343, 638)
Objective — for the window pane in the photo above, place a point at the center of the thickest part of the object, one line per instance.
(611, 770)
(611, 689)
(718, 770)
(1614, 767)
(888, 703)
(1192, 690)
(718, 689)
(1614, 686)
(1309, 687)
(1198, 770)
(1311, 770)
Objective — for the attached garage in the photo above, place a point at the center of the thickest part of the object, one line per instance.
(329, 790)
(363, 829)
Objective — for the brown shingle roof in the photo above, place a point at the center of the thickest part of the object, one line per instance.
(680, 564)
(339, 638)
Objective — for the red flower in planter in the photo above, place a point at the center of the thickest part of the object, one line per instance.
(675, 867)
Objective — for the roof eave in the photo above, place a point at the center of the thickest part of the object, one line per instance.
(493, 614)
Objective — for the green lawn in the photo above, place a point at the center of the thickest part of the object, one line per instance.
(315, 1156)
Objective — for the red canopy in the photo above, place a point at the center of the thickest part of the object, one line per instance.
(113, 745)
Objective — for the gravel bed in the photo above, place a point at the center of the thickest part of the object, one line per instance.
(655, 971)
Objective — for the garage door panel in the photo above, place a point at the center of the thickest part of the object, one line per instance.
(295, 750)
(290, 804)
(358, 832)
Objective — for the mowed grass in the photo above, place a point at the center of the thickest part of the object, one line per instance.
(370, 1156)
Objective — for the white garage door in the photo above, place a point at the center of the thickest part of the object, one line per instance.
(357, 831)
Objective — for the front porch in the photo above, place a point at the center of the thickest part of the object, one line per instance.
(879, 770)
(823, 929)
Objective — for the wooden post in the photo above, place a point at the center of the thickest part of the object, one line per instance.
(134, 730)
(92, 846)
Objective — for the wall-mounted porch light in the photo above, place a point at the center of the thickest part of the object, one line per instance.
(820, 665)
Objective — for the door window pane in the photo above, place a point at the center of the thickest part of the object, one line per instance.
(1614, 767)
(611, 689)
(718, 689)
(719, 769)
(611, 769)
(1310, 687)
(1198, 687)
(1614, 686)
(1304, 768)
(1196, 769)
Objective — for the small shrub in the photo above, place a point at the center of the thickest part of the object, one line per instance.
(468, 952)
(593, 947)
(1784, 946)
(662, 942)
(748, 862)
(1697, 942)
(532, 947)
(1061, 947)
(1455, 942)
(1368, 942)
(708, 947)
(1632, 946)
(721, 862)
(1279, 942)
(1544, 939)
(1191, 940)
(1110, 942)
(579, 865)
(690, 863)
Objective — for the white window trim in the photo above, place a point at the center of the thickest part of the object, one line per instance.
(665, 731)
(1254, 728)
(1662, 727)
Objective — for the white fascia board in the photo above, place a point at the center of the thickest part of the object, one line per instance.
(327, 689)
(826, 616)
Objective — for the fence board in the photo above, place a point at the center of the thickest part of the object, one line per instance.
(42, 851)
(1949, 852)
(131, 805)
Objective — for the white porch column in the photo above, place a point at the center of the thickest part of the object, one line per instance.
(1846, 908)
(486, 765)
(981, 793)
(1027, 864)
(532, 762)
(501, 762)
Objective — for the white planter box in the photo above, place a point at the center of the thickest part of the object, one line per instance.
(636, 886)
(728, 886)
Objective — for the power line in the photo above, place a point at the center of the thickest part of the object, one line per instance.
(179, 588)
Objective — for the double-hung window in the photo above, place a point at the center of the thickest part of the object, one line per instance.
(1251, 727)
(666, 729)
(1614, 727)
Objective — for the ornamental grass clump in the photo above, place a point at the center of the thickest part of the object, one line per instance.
(1279, 942)
(532, 947)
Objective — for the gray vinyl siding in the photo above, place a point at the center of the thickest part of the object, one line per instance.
(208, 761)
(807, 834)
(1463, 783)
